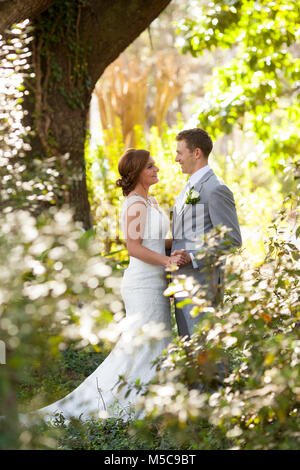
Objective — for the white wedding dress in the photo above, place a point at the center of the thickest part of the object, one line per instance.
(147, 309)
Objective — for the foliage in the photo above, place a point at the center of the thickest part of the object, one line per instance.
(109, 434)
(239, 373)
(54, 288)
(54, 285)
(28, 181)
(258, 90)
(16, 185)
(66, 370)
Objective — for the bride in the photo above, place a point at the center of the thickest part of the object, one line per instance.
(144, 226)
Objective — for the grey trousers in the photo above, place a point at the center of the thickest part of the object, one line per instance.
(185, 322)
(214, 290)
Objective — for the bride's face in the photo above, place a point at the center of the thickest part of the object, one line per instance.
(149, 174)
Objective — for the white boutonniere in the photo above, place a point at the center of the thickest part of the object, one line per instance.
(193, 196)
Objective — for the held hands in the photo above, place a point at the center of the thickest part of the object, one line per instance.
(179, 258)
(173, 263)
(182, 258)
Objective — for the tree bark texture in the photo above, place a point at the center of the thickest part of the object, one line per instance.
(14, 11)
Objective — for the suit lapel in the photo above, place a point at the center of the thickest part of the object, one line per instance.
(182, 204)
(198, 187)
(182, 209)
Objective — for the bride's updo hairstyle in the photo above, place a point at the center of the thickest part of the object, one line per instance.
(130, 166)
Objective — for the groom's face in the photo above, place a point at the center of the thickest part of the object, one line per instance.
(185, 157)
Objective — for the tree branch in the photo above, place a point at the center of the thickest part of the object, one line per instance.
(114, 25)
(14, 11)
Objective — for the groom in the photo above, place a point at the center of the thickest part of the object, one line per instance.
(204, 203)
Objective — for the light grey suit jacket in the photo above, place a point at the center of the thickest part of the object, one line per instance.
(215, 207)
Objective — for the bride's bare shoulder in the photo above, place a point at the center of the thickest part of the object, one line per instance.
(134, 197)
(132, 202)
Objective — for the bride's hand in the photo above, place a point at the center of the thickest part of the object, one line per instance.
(173, 262)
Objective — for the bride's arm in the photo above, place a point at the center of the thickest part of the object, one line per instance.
(135, 219)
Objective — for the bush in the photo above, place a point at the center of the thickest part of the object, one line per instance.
(255, 338)
(55, 287)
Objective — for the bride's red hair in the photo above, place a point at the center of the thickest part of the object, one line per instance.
(130, 166)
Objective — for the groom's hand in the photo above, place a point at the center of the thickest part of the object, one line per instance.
(183, 258)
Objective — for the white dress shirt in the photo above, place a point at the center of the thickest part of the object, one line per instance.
(193, 179)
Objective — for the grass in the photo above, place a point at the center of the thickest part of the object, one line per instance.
(63, 374)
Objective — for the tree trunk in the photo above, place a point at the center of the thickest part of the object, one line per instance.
(74, 41)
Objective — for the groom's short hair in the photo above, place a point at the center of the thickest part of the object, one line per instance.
(196, 138)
